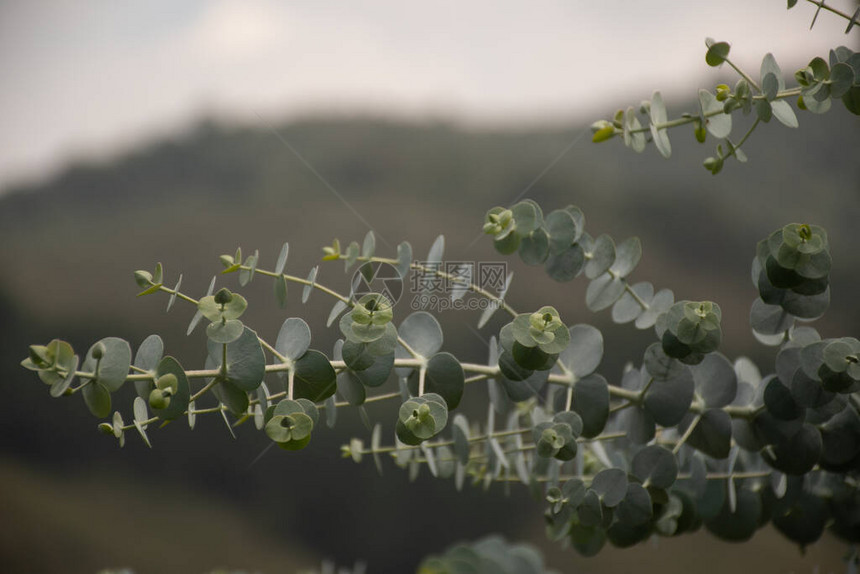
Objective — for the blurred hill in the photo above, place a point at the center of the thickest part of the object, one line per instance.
(69, 248)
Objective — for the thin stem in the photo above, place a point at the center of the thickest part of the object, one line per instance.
(645, 306)
(744, 75)
(744, 139)
(422, 372)
(178, 294)
(204, 390)
(822, 5)
(687, 434)
(291, 376)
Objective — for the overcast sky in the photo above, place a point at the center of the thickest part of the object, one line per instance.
(87, 78)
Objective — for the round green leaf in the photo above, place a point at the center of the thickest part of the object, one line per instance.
(562, 230)
(715, 380)
(627, 256)
(741, 524)
(179, 399)
(780, 402)
(534, 247)
(246, 363)
(566, 265)
(235, 399)
(636, 507)
(712, 434)
(376, 374)
(602, 256)
(655, 466)
(527, 216)
(315, 379)
(717, 53)
(669, 400)
(294, 338)
(603, 292)
(97, 399)
(585, 351)
(444, 376)
(797, 454)
(114, 364)
(422, 333)
(610, 484)
(591, 402)
(350, 388)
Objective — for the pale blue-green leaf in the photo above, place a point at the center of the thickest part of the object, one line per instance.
(294, 338)
(113, 366)
(97, 399)
(350, 388)
(488, 312)
(282, 258)
(368, 247)
(330, 412)
(769, 319)
(720, 124)
(198, 315)
(312, 277)
(59, 387)
(662, 301)
(628, 308)
(783, 112)
(716, 381)
(842, 77)
(603, 292)
(661, 138)
(336, 310)
(404, 258)
(600, 255)
(633, 138)
(172, 299)
(460, 285)
(141, 429)
(627, 256)
(147, 357)
(246, 363)
(769, 66)
(227, 424)
(141, 413)
(375, 439)
(422, 332)
(584, 352)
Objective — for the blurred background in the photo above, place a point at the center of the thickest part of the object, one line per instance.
(139, 132)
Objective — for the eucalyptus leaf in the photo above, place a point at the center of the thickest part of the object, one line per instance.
(294, 338)
(603, 292)
(315, 379)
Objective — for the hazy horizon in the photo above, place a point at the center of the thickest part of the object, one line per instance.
(90, 80)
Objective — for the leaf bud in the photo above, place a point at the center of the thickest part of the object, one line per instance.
(143, 278)
(701, 132)
(158, 399)
(98, 351)
(223, 296)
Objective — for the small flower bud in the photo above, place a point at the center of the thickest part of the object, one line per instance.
(143, 278)
(223, 296)
(98, 351)
(158, 400)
